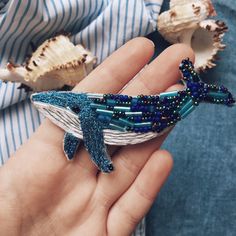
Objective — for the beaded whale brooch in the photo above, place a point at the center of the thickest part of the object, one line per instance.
(117, 119)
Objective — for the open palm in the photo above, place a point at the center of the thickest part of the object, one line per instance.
(41, 193)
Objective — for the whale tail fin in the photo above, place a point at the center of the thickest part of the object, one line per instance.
(187, 69)
(219, 95)
(200, 91)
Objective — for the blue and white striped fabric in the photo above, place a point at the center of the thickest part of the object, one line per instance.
(102, 26)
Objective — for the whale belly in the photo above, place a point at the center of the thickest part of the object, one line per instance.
(69, 122)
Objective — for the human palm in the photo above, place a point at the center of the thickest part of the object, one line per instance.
(41, 193)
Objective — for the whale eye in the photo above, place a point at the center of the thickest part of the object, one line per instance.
(75, 109)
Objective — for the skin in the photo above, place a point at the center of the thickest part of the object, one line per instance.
(41, 193)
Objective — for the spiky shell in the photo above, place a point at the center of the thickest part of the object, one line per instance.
(208, 40)
(185, 22)
(56, 63)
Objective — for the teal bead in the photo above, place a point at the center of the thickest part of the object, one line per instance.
(117, 127)
(169, 94)
(143, 124)
(135, 113)
(218, 95)
(117, 108)
(186, 113)
(126, 122)
(117, 122)
(104, 112)
(186, 107)
(111, 102)
(95, 96)
(99, 106)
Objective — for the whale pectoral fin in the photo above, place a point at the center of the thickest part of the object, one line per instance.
(92, 129)
(70, 145)
(94, 143)
(102, 160)
(100, 157)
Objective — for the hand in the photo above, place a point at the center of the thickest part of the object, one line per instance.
(41, 193)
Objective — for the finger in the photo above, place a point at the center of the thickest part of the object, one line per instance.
(130, 159)
(175, 87)
(162, 73)
(110, 76)
(136, 201)
(116, 71)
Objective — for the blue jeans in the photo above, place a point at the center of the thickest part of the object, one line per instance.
(200, 195)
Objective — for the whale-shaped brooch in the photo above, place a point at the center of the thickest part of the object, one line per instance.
(118, 119)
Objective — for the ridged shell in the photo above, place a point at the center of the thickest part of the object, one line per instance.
(186, 22)
(56, 63)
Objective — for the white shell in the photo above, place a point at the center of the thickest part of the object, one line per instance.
(56, 63)
(186, 22)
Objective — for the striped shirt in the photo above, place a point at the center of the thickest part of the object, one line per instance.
(102, 26)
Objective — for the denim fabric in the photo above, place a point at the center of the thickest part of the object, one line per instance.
(200, 195)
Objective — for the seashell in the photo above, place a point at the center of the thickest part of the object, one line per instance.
(55, 64)
(186, 22)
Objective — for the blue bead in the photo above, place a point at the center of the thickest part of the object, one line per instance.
(137, 119)
(186, 74)
(223, 89)
(134, 101)
(194, 88)
(156, 119)
(136, 130)
(140, 108)
(195, 94)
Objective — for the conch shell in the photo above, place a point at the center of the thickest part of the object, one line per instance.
(55, 64)
(186, 22)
